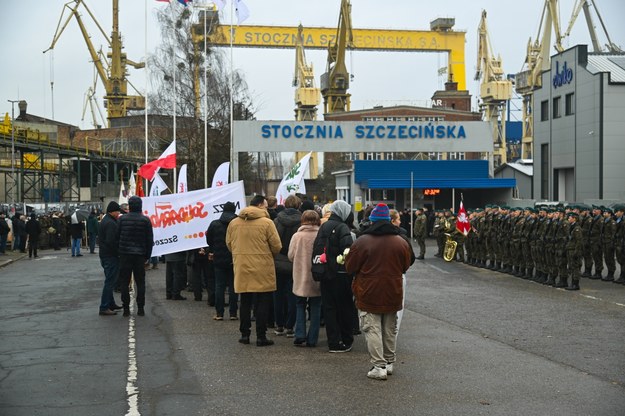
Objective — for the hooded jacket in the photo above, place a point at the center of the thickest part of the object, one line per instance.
(253, 240)
(216, 240)
(287, 223)
(378, 258)
(338, 242)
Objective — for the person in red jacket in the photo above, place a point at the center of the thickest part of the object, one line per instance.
(377, 259)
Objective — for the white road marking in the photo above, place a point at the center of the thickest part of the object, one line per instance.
(131, 384)
(439, 269)
(599, 299)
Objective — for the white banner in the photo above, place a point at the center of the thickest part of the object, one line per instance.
(182, 180)
(158, 185)
(291, 183)
(220, 178)
(180, 221)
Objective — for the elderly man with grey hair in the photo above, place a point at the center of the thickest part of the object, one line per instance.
(336, 293)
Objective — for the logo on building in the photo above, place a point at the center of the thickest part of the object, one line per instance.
(562, 77)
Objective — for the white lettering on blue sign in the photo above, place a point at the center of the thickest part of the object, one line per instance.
(562, 77)
(366, 131)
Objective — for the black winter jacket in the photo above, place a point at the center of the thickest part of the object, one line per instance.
(33, 229)
(287, 223)
(216, 240)
(337, 244)
(4, 227)
(135, 235)
(109, 242)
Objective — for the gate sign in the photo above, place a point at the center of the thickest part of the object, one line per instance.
(179, 221)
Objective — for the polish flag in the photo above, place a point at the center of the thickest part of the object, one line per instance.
(462, 223)
(166, 161)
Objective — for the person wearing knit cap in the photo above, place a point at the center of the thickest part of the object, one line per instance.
(336, 293)
(109, 258)
(377, 259)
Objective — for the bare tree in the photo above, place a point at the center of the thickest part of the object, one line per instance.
(179, 57)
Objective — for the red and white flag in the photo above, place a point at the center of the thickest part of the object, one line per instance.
(462, 223)
(166, 161)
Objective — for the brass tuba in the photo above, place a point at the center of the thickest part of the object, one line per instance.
(450, 248)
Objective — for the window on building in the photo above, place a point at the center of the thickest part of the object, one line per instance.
(556, 107)
(544, 171)
(569, 104)
(461, 156)
(544, 110)
(367, 119)
(378, 118)
(411, 119)
(390, 156)
(379, 156)
(369, 156)
(453, 156)
(390, 118)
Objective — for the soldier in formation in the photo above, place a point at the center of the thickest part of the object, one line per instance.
(546, 244)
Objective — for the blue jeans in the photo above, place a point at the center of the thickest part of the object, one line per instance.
(76, 246)
(111, 272)
(92, 238)
(16, 241)
(315, 315)
(284, 302)
(225, 277)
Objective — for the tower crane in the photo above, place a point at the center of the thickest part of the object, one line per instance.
(585, 5)
(335, 81)
(495, 90)
(306, 94)
(537, 60)
(112, 73)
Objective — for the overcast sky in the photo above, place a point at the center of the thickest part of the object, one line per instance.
(380, 78)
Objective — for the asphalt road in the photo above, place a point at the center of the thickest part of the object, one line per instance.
(472, 342)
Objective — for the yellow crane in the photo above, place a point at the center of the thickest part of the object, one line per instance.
(335, 81)
(112, 72)
(537, 60)
(495, 91)
(306, 95)
(585, 5)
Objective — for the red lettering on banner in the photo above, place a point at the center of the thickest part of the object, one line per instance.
(168, 216)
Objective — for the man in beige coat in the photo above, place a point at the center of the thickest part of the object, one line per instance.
(253, 240)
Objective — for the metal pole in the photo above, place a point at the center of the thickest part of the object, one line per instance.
(15, 196)
(411, 203)
(205, 109)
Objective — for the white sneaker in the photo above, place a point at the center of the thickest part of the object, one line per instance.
(389, 369)
(377, 373)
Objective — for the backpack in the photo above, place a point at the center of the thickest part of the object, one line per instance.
(321, 256)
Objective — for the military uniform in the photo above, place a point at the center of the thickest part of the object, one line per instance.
(574, 251)
(594, 238)
(585, 224)
(619, 240)
(560, 249)
(420, 231)
(607, 244)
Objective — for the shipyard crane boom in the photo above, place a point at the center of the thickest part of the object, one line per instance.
(306, 94)
(495, 90)
(335, 81)
(537, 60)
(585, 5)
(111, 73)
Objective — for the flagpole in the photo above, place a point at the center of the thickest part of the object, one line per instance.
(174, 99)
(453, 199)
(205, 109)
(147, 73)
(411, 203)
(232, 162)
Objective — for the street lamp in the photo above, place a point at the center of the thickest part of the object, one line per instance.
(13, 145)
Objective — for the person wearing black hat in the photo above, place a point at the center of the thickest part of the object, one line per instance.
(136, 239)
(222, 262)
(109, 258)
(607, 244)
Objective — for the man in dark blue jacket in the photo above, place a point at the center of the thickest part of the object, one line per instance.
(109, 258)
(136, 239)
(222, 262)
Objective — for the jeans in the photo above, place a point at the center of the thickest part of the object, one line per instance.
(16, 241)
(315, 315)
(260, 301)
(225, 277)
(111, 272)
(284, 302)
(129, 266)
(76, 246)
(92, 238)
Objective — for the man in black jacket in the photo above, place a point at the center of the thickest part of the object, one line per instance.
(109, 258)
(135, 247)
(33, 229)
(4, 232)
(222, 262)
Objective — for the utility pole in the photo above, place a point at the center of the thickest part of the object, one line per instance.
(15, 197)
